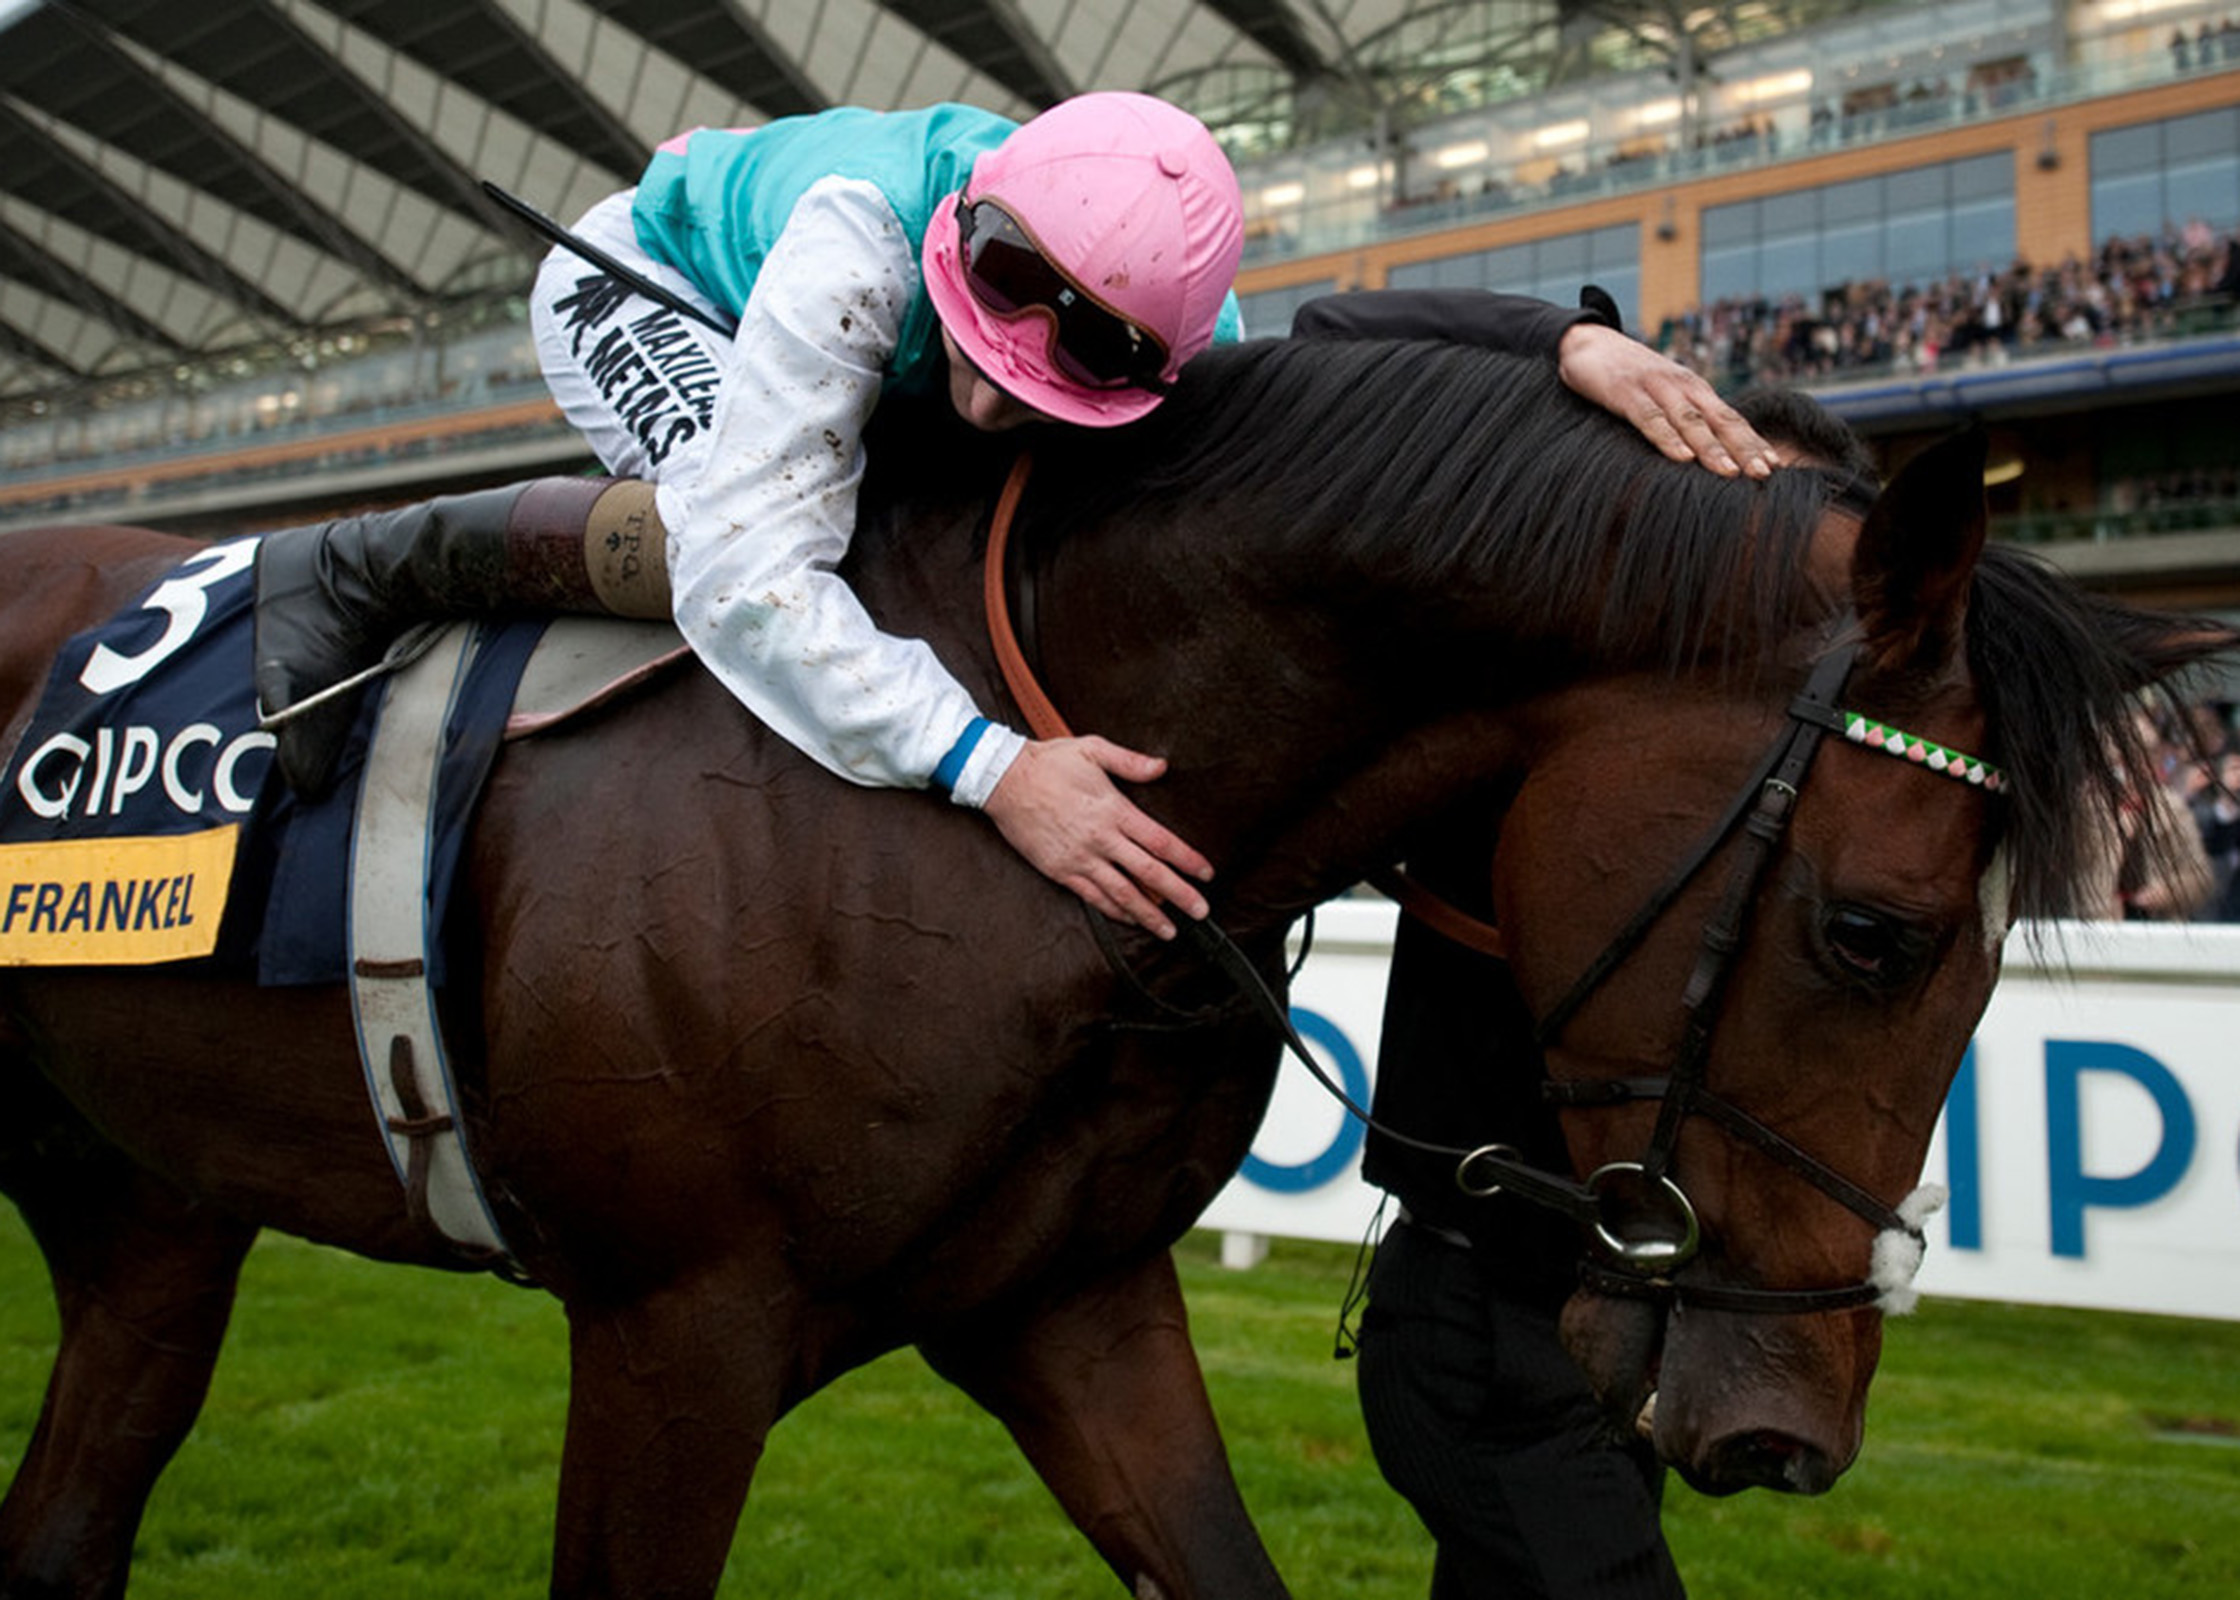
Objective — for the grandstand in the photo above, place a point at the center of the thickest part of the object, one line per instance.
(246, 275)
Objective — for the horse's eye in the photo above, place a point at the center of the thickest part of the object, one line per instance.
(1871, 948)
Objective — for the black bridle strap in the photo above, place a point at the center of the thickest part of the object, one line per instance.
(1813, 710)
(1719, 1297)
(1628, 938)
(1589, 1093)
(1723, 935)
(1784, 1152)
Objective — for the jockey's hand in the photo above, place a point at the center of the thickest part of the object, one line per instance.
(1675, 409)
(1059, 808)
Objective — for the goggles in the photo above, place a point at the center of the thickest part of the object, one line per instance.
(1091, 344)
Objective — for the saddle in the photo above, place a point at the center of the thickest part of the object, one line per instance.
(394, 923)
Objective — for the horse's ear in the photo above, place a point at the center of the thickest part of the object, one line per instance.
(1910, 571)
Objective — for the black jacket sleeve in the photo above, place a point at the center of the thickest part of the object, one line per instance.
(1513, 323)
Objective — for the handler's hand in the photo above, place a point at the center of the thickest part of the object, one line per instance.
(1059, 808)
(1675, 409)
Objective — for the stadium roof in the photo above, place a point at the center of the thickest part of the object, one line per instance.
(181, 178)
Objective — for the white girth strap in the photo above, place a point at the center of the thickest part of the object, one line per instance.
(399, 1040)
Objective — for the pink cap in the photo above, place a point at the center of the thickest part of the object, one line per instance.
(1132, 198)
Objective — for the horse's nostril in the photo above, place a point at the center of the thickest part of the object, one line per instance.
(1766, 1459)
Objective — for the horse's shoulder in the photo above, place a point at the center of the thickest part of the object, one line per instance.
(75, 568)
(100, 542)
(60, 581)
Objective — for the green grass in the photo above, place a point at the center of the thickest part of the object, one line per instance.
(375, 1432)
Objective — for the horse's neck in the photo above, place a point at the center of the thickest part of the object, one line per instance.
(1300, 744)
(1300, 739)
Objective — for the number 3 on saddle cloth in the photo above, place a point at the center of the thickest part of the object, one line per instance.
(142, 820)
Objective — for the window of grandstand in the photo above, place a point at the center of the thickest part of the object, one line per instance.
(1553, 269)
(1267, 315)
(1924, 223)
(2185, 168)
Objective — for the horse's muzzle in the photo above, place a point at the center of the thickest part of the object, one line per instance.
(1616, 1344)
(1731, 1401)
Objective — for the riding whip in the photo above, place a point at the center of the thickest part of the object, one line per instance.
(631, 279)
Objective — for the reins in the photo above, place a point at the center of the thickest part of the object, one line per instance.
(1634, 1211)
(1045, 721)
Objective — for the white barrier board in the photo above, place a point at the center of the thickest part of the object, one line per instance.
(2091, 1141)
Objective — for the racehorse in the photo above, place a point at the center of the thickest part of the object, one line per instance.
(766, 1075)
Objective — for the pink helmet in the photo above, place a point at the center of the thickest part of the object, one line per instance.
(1137, 209)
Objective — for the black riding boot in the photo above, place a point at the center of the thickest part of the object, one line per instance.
(333, 597)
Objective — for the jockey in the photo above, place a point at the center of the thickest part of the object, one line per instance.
(1062, 270)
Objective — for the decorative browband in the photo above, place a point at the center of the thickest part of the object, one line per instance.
(1922, 753)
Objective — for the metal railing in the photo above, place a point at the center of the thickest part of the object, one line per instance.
(1321, 224)
(2213, 513)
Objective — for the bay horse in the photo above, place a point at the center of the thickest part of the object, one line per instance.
(767, 1075)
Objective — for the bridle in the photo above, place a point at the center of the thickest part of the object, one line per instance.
(1636, 1214)
(1644, 1222)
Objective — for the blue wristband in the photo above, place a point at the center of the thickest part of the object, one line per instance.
(945, 776)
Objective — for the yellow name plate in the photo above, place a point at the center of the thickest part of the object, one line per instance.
(114, 902)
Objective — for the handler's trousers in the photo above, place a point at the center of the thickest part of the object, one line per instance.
(1479, 1418)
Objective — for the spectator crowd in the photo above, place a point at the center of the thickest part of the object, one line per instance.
(2135, 288)
(2195, 756)
(2208, 48)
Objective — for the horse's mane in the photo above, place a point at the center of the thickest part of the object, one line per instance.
(1433, 466)
(2061, 673)
(1428, 467)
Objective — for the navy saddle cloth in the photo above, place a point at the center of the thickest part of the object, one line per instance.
(145, 756)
